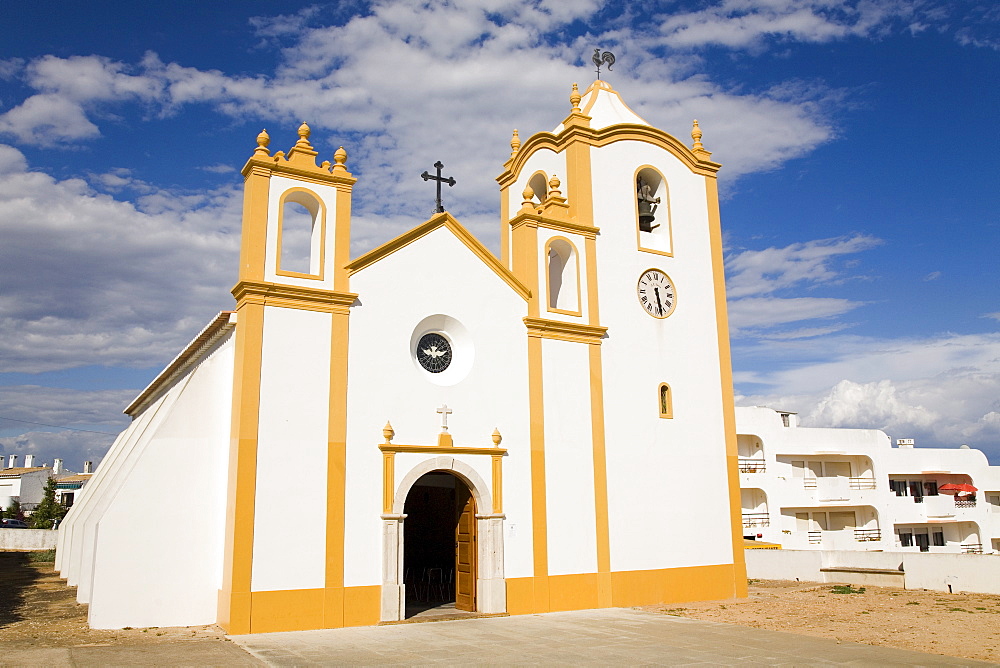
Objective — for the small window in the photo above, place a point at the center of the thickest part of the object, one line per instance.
(666, 401)
(906, 538)
(930, 488)
(785, 422)
(300, 234)
(938, 538)
(898, 486)
(562, 276)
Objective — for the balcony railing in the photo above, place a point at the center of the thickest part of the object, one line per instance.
(756, 520)
(862, 483)
(809, 483)
(751, 465)
(815, 537)
(965, 503)
(862, 535)
(972, 548)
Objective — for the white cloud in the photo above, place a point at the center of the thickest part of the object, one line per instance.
(92, 280)
(751, 313)
(48, 119)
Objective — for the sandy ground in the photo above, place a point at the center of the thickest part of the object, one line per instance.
(38, 610)
(962, 625)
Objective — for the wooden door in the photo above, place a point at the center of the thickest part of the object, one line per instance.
(465, 550)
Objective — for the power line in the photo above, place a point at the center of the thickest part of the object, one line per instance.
(56, 426)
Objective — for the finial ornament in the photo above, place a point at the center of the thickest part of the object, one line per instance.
(528, 204)
(497, 438)
(515, 144)
(339, 158)
(554, 184)
(698, 148)
(599, 58)
(388, 432)
(575, 98)
(304, 133)
(263, 139)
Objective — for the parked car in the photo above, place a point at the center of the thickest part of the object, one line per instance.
(13, 524)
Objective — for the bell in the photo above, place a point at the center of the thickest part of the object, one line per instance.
(646, 216)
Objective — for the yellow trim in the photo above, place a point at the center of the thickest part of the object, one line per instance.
(726, 369)
(564, 331)
(670, 224)
(504, 227)
(438, 450)
(666, 407)
(524, 259)
(336, 467)
(673, 304)
(293, 296)
(579, 182)
(628, 588)
(497, 484)
(564, 226)
(603, 531)
(388, 480)
(342, 237)
(318, 217)
(539, 525)
(593, 296)
(309, 609)
(603, 137)
(548, 293)
(440, 220)
(253, 242)
(234, 596)
(276, 164)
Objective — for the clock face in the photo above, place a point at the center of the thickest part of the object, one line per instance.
(434, 352)
(656, 293)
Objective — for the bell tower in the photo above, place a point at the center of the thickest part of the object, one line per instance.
(627, 323)
(292, 305)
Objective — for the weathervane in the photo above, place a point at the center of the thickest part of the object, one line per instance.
(599, 58)
(440, 179)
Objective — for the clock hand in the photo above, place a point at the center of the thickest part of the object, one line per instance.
(658, 304)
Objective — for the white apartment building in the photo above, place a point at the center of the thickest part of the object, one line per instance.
(849, 489)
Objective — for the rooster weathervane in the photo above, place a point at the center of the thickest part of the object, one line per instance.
(599, 58)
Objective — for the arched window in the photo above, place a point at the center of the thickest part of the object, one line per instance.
(301, 227)
(652, 206)
(562, 277)
(539, 184)
(666, 401)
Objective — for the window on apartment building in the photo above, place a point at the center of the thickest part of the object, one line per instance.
(937, 538)
(898, 486)
(916, 491)
(930, 488)
(785, 420)
(906, 538)
(922, 540)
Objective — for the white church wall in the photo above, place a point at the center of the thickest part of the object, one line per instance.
(386, 383)
(168, 549)
(289, 549)
(569, 458)
(674, 469)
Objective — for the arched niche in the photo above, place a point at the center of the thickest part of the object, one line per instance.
(301, 234)
(562, 276)
(652, 211)
(539, 184)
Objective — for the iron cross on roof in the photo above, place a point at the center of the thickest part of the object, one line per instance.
(440, 179)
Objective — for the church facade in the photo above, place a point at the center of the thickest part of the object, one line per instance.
(548, 430)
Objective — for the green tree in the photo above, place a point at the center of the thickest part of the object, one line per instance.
(13, 511)
(48, 511)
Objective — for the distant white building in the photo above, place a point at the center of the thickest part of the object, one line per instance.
(849, 489)
(26, 484)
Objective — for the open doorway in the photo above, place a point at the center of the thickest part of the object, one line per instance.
(439, 560)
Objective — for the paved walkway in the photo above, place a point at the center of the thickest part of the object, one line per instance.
(617, 636)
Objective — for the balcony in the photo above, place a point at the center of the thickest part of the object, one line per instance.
(865, 535)
(751, 520)
(965, 503)
(972, 548)
(861, 483)
(751, 465)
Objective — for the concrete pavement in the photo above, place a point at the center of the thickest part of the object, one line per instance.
(617, 636)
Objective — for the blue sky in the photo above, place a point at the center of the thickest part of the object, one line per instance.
(858, 142)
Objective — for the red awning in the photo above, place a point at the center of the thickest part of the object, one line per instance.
(961, 488)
